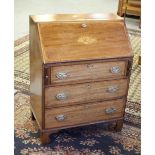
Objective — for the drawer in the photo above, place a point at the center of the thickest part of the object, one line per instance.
(85, 92)
(88, 71)
(73, 115)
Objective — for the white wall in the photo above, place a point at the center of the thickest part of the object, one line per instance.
(24, 8)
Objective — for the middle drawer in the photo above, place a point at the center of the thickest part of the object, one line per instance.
(85, 92)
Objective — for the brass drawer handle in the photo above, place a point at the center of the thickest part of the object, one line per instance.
(83, 25)
(62, 75)
(115, 69)
(60, 117)
(110, 110)
(61, 96)
(112, 89)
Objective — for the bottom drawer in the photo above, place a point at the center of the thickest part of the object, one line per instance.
(73, 115)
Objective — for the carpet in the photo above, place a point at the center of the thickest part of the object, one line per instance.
(88, 140)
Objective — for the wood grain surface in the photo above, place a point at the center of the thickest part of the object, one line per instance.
(89, 71)
(72, 42)
(83, 113)
(85, 47)
(84, 93)
(36, 74)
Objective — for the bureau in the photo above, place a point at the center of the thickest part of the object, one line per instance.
(79, 70)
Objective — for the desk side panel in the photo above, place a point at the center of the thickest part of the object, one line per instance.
(36, 72)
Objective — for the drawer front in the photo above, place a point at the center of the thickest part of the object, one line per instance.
(89, 71)
(73, 115)
(86, 92)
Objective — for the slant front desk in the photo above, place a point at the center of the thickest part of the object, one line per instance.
(80, 67)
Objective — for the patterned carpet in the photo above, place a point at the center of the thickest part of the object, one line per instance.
(88, 140)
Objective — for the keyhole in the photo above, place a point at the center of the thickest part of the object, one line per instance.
(90, 66)
(88, 86)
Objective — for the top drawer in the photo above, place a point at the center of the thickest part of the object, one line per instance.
(88, 71)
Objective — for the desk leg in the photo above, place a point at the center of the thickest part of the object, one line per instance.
(119, 125)
(45, 136)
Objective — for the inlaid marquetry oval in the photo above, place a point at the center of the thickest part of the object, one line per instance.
(87, 40)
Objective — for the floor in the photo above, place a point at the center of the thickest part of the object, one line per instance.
(32, 7)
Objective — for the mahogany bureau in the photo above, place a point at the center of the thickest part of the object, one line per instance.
(79, 69)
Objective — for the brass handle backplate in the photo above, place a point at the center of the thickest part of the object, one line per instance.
(115, 69)
(62, 75)
(61, 96)
(110, 110)
(112, 89)
(60, 117)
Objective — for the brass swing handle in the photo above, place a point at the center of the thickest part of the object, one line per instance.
(110, 110)
(112, 89)
(62, 75)
(60, 117)
(115, 69)
(61, 96)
